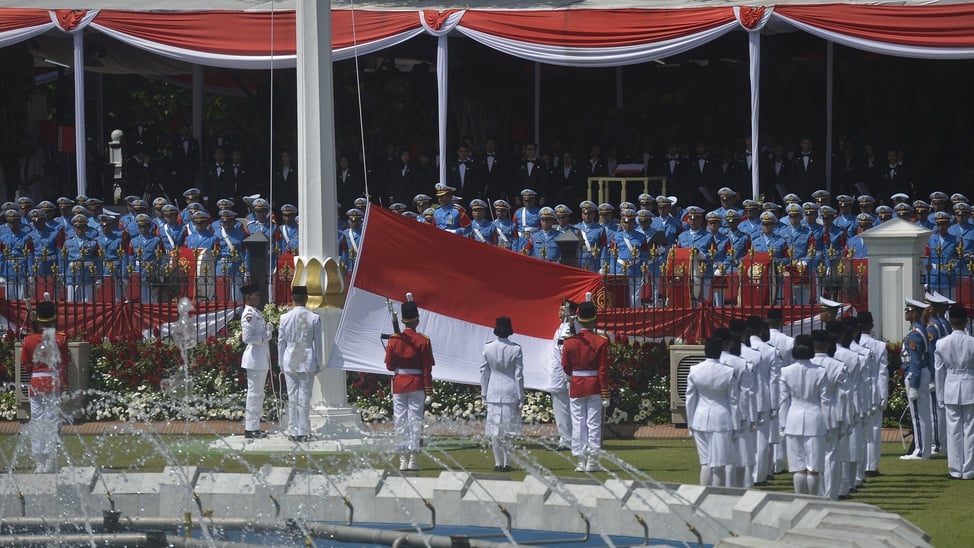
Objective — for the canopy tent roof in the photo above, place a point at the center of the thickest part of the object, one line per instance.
(259, 38)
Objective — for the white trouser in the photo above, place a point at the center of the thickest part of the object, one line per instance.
(586, 425)
(874, 440)
(81, 293)
(561, 409)
(45, 420)
(832, 474)
(407, 411)
(16, 290)
(960, 440)
(299, 402)
(938, 414)
(762, 456)
(920, 413)
(254, 410)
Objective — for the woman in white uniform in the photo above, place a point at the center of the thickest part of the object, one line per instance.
(502, 389)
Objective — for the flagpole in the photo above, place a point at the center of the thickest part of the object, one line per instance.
(331, 415)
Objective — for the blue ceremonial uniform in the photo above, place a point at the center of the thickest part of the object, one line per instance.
(45, 248)
(669, 226)
(915, 355)
(348, 248)
(700, 239)
(80, 264)
(846, 222)
(232, 259)
(172, 236)
(286, 239)
(942, 263)
(482, 230)
(113, 248)
(855, 248)
(146, 260)
(18, 260)
(592, 247)
(630, 253)
(506, 234)
(750, 226)
(266, 228)
(739, 243)
(528, 221)
(770, 243)
(452, 219)
(542, 245)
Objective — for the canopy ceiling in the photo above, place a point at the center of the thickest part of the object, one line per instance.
(607, 36)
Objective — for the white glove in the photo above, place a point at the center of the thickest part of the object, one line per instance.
(932, 387)
(428, 401)
(912, 393)
(940, 404)
(605, 403)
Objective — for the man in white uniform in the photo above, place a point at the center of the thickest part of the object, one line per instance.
(502, 389)
(299, 346)
(954, 371)
(560, 402)
(256, 359)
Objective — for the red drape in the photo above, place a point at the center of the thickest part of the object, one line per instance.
(596, 28)
(927, 26)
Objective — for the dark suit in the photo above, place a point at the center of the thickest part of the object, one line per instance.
(185, 162)
(402, 183)
(776, 172)
(495, 176)
(567, 187)
(896, 179)
(241, 181)
(218, 182)
(536, 178)
(286, 186)
(469, 185)
(808, 176)
(350, 185)
(743, 172)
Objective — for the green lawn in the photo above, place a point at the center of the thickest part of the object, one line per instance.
(917, 490)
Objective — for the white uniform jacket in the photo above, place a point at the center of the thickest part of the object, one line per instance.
(804, 396)
(502, 372)
(299, 343)
(837, 387)
(712, 397)
(953, 363)
(257, 354)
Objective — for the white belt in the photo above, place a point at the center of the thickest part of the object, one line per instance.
(40, 374)
(409, 371)
(529, 229)
(960, 372)
(585, 373)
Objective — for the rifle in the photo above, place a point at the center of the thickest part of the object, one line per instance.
(395, 317)
(395, 321)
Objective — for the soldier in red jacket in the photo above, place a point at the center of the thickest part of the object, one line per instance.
(45, 358)
(585, 357)
(409, 356)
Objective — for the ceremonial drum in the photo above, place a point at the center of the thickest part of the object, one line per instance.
(614, 293)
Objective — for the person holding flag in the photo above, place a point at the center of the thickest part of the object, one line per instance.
(585, 358)
(409, 355)
(45, 359)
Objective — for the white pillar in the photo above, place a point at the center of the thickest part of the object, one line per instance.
(754, 60)
(317, 197)
(442, 92)
(79, 110)
(895, 273)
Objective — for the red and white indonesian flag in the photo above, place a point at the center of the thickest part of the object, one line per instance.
(460, 286)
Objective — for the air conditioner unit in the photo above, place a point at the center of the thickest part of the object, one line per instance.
(682, 357)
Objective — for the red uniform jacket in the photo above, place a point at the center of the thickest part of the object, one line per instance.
(410, 356)
(586, 351)
(42, 381)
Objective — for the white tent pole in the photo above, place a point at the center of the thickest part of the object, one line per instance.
(442, 80)
(829, 70)
(100, 112)
(79, 110)
(537, 107)
(754, 53)
(198, 103)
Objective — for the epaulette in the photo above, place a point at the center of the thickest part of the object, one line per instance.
(395, 335)
(425, 336)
